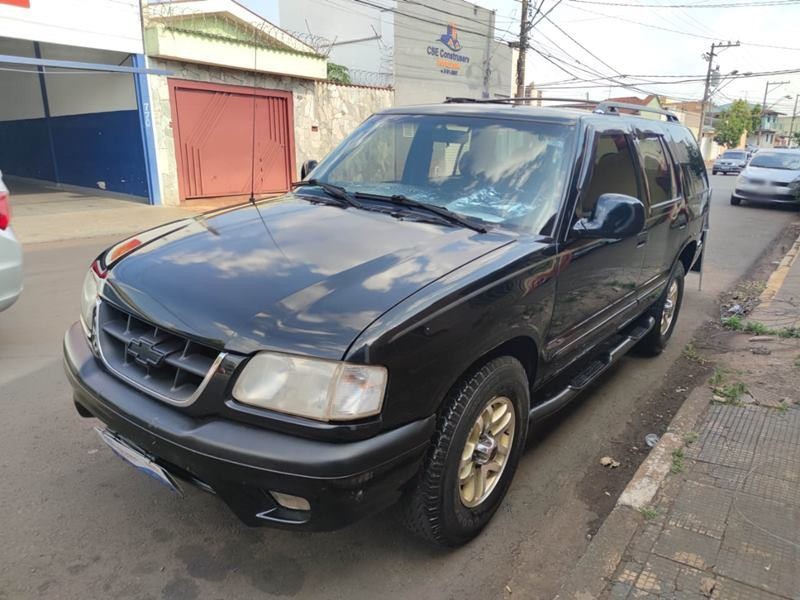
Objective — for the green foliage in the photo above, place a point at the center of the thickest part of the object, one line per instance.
(338, 73)
(757, 328)
(690, 353)
(717, 377)
(648, 512)
(755, 119)
(735, 322)
(731, 124)
(677, 461)
(731, 393)
(796, 138)
(690, 437)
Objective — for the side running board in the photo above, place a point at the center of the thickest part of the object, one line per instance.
(592, 371)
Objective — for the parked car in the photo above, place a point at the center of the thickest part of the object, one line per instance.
(731, 161)
(772, 176)
(388, 330)
(10, 254)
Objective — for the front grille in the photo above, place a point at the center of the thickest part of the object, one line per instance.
(168, 366)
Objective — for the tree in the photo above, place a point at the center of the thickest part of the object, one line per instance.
(795, 141)
(755, 119)
(338, 73)
(732, 123)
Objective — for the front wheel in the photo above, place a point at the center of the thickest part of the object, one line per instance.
(480, 436)
(735, 201)
(665, 311)
(713, 172)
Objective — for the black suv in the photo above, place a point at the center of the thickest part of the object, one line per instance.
(388, 330)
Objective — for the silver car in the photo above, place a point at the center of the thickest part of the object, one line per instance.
(10, 254)
(731, 161)
(771, 176)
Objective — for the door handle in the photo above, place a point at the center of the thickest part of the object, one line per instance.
(641, 239)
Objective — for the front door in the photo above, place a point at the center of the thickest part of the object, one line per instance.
(598, 278)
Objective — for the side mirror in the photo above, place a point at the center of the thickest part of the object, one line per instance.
(616, 216)
(307, 167)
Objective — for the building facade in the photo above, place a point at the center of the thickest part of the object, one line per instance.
(187, 101)
(427, 51)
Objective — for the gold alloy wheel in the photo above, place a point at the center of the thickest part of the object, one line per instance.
(486, 451)
(670, 304)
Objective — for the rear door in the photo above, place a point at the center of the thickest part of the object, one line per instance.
(667, 218)
(598, 278)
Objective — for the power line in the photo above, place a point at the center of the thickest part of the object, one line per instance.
(584, 48)
(695, 35)
(720, 5)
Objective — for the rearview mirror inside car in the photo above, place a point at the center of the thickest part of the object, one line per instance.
(615, 216)
(307, 167)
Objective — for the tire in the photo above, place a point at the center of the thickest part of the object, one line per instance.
(656, 340)
(713, 172)
(735, 201)
(439, 507)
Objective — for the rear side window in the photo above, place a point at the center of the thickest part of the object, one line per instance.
(613, 171)
(657, 170)
(686, 152)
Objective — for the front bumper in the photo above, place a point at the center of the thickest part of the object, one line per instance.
(777, 196)
(727, 168)
(240, 463)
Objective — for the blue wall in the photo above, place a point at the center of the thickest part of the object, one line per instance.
(104, 146)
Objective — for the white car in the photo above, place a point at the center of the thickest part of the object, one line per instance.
(772, 176)
(10, 254)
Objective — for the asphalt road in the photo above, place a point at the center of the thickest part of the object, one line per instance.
(78, 523)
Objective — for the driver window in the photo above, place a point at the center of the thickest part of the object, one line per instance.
(613, 171)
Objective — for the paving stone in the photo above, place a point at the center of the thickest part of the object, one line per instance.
(758, 558)
(730, 436)
(756, 483)
(642, 544)
(687, 547)
(619, 591)
(663, 577)
(701, 509)
(628, 573)
(728, 589)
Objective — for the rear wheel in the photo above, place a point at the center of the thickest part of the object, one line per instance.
(665, 311)
(473, 456)
(735, 201)
(713, 172)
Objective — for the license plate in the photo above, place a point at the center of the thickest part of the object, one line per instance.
(136, 458)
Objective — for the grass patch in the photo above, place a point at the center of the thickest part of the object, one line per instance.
(797, 361)
(783, 407)
(731, 392)
(734, 323)
(789, 332)
(717, 377)
(690, 437)
(690, 353)
(649, 513)
(757, 328)
(678, 464)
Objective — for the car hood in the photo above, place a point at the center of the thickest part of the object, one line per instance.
(776, 175)
(730, 161)
(288, 275)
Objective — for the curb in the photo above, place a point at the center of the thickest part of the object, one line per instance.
(593, 571)
(778, 276)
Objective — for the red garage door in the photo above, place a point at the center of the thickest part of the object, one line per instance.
(213, 129)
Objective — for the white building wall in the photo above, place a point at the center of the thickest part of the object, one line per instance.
(21, 92)
(105, 24)
(71, 93)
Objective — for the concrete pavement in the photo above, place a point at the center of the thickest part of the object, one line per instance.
(725, 522)
(81, 524)
(43, 213)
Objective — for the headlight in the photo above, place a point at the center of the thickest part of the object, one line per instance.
(795, 184)
(325, 390)
(92, 285)
(741, 179)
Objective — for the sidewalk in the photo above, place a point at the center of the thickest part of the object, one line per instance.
(725, 521)
(47, 214)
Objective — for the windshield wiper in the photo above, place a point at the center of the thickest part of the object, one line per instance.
(444, 213)
(334, 191)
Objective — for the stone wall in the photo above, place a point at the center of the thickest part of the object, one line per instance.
(324, 113)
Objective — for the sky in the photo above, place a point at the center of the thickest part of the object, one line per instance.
(635, 49)
(632, 38)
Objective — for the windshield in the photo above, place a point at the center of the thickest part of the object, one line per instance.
(735, 155)
(777, 160)
(503, 172)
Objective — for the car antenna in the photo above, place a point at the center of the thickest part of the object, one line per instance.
(256, 32)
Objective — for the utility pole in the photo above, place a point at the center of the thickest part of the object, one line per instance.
(706, 94)
(524, 28)
(794, 116)
(764, 108)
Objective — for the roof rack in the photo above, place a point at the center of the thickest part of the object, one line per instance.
(609, 107)
(518, 99)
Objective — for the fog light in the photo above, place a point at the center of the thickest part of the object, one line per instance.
(291, 502)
